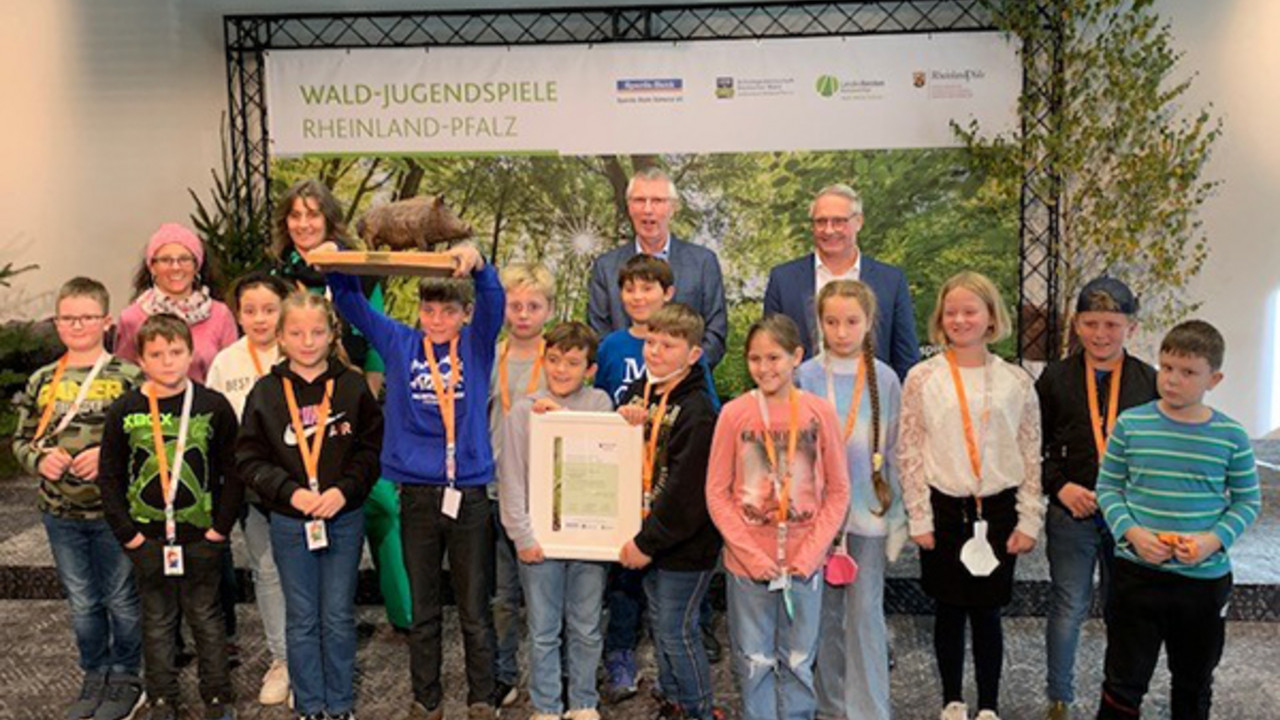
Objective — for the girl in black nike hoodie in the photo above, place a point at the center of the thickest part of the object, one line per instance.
(314, 482)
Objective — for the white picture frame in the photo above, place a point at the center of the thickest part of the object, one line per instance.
(596, 458)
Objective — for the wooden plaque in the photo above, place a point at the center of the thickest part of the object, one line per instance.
(382, 262)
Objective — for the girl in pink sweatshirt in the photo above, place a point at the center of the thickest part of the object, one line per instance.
(778, 490)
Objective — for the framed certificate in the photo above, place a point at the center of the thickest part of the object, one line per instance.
(584, 483)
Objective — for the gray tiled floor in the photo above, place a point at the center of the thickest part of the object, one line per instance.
(39, 673)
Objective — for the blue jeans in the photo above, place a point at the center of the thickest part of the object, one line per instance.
(266, 580)
(564, 595)
(674, 610)
(97, 577)
(773, 655)
(505, 604)
(851, 677)
(1073, 547)
(320, 603)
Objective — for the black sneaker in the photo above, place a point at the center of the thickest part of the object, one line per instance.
(91, 691)
(505, 695)
(162, 709)
(121, 699)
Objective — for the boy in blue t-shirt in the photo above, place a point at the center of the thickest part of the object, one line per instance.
(1177, 487)
(436, 447)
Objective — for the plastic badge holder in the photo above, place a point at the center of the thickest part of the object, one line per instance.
(976, 554)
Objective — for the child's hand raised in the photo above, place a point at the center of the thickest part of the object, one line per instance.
(85, 465)
(1148, 546)
(634, 414)
(466, 259)
(304, 501)
(545, 405)
(329, 503)
(54, 464)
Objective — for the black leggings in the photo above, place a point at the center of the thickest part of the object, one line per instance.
(988, 652)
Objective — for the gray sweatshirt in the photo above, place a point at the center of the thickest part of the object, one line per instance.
(513, 463)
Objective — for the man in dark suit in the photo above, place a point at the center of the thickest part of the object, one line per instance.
(651, 202)
(836, 214)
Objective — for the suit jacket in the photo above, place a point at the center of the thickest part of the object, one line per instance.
(791, 291)
(699, 285)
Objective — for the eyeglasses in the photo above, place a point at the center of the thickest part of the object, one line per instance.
(647, 201)
(839, 222)
(185, 261)
(77, 320)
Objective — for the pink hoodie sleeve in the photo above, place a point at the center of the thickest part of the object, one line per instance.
(742, 556)
(812, 551)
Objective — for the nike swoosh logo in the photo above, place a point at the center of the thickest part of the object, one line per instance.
(291, 438)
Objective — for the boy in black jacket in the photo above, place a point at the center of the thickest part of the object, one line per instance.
(171, 496)
(1076, 427)
(309, 447)
(677, 536)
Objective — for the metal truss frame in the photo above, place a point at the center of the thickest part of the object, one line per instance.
(249, 37)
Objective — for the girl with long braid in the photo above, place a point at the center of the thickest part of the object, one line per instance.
(852, 672)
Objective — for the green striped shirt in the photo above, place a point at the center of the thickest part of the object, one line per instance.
(1173, 477)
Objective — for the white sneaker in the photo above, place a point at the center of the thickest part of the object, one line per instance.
(583, 714)
(275, 684)
(987, 715)
(955, 711)
(544, 716)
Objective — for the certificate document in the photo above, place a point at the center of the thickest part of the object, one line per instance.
(584, 483)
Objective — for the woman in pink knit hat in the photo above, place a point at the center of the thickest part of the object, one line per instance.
(174, 278)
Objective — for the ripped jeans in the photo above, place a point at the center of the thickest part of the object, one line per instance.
(773, 654)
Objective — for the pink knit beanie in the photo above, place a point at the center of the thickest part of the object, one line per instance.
(175, 234)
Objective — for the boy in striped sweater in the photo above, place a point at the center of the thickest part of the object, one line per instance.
(1177, 487)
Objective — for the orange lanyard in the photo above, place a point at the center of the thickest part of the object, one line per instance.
(782, 488)
(310, 454)
(47, 416)
(970, 437)
(167, 486)
(503, 387)
(253, 355)
(1100, 434)
(651, 447)
(851, 420)
(446, 395)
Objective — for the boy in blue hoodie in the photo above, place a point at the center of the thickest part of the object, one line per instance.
(436, 447)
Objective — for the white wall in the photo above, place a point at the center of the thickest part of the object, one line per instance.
(112, 111)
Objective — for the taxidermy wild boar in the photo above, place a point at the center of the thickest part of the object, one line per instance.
(419, 223)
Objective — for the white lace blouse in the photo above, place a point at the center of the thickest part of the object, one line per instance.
(931, 442)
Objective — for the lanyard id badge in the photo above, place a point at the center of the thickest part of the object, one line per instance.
(446, 397)
(170, 478)
(782, 487)
(317, 534)
(977, 555)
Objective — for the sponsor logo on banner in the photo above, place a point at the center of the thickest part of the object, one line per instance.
(830, 86)
(650, 90)
(724, 88)
(954, 84)
(827, 85)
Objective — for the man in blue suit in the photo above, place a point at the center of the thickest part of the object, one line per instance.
(651, 202)
(836, 214)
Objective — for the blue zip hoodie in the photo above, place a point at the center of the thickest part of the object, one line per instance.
(414, 440)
